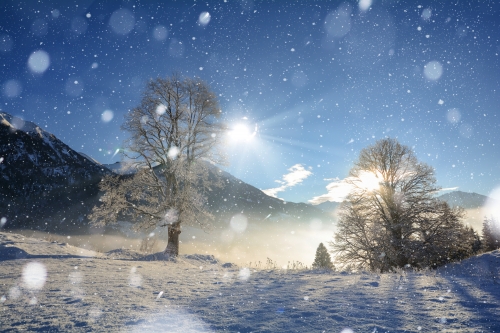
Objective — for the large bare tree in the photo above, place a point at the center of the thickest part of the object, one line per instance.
(391, 217)
(174, 137)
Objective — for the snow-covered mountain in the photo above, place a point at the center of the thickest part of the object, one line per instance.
(42, 179)
(467, 200)
(30, 153)
(329, 206)
(239, 197)
(121, 168)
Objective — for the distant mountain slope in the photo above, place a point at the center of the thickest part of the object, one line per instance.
(328, 206)
(467, 200)
(46, 184)
(121, 168)
(40, 175)
(239, 197)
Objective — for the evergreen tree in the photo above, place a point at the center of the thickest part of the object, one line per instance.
(491, 234)
(468, 244)
(322, 259)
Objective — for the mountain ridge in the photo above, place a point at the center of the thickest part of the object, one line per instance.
(41, 176)
(466, 200)
(45, 181)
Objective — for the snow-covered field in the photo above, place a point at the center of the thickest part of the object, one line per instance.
(56, 287)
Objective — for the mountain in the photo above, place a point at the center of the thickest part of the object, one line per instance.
(45, 184)
(41, 177)
(121, 168)
(328, 206)
(467, 200)
(238, 197)
(456, 198)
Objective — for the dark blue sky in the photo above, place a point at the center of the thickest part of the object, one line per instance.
(319, 79)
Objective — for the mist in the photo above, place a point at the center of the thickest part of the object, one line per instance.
(283, 242)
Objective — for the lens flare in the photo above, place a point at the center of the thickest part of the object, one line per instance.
(239, 223)
(204, 18)
(491, 209)
(39, 61)
(122, 21)
(107, 116)
(34, 275)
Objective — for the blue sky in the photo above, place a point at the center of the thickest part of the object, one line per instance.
(316, 81)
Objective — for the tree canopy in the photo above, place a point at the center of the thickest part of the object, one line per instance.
(174, 137)
(391, 217)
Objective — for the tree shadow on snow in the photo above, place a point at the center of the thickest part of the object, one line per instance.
(13, 253)
(484, 304)
(273, 301)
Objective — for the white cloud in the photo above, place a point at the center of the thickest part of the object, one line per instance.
(449, 189)
(272, 192)
(337, 190)
(296, 176)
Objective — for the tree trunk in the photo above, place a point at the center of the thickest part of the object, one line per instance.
(174, 230)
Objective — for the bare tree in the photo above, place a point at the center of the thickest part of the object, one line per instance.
(174, 137)
(391, 217)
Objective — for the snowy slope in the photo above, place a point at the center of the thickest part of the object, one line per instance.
(55, 287)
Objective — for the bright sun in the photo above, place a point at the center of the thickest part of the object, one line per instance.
(368, 180)
(241, 132)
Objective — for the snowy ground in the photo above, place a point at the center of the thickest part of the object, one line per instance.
(48, 286)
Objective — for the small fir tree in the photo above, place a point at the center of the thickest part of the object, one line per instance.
(322, 259)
